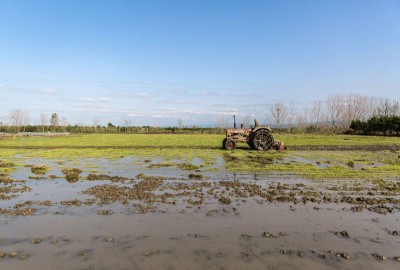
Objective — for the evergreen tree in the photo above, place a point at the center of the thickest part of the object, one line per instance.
(54, 120)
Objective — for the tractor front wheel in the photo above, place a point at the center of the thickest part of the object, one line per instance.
(229, 144)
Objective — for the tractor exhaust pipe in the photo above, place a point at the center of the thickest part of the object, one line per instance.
(234, 121)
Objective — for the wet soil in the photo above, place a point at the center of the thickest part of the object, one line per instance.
(127, 216)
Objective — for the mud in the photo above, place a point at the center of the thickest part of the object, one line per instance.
(4, 164)
(71, 174)
(39, 169)
(128, 216)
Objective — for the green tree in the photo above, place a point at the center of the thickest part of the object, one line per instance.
(359, 126)
(54, 121)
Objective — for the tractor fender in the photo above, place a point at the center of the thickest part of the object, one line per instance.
(262, 127)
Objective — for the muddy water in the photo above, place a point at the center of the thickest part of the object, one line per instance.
(258, 228)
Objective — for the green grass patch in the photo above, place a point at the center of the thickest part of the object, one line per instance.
(182, 166)
(333, 139)
(335, 165)
(207, 148)
(134, 140)
(162, 165)
(187, 166)
(358, 157)
(186, 140)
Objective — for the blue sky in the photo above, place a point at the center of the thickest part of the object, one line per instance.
(153, 62)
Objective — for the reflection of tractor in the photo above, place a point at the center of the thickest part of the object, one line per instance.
(258, 138)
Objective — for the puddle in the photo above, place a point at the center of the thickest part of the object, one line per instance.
(160, 219)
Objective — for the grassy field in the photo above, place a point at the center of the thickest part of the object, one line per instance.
(207, 148)
(184, 140)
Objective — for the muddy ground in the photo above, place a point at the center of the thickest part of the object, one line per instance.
(133, 214)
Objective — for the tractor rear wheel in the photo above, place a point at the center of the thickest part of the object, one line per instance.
(229, 144)
(262, 139)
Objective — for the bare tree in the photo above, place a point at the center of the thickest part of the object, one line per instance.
(223, 121)
(64, 121)
(334, 109)
(359, 106)
(17, 119)
(395, 108)
(383, 107)
(96, 121)
(387, 107)
(292, 113)
(43, 120)
(246, 120)
(316, 112)
(26, 120)
(180, 122)
(301, 119)
(127, 123)
(278, 114)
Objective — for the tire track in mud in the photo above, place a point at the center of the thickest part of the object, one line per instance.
(392, 148)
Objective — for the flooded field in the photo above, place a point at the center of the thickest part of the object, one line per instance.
(149, 212)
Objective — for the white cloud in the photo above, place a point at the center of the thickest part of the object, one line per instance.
(94, 105)
(106, 100)
(88, 99)
(127, 108)
(47, 91)
(179, 102)
(160, 116)
(210, 93)
(179, 91)
(143, 95)
(98, 100)
(133, 114)
(100, 110)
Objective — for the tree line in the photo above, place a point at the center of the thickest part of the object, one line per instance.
(19, 122)
(111, 129)
(335, 114)
(377, 125)
(332, 115)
